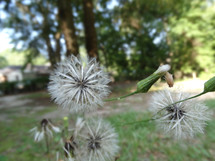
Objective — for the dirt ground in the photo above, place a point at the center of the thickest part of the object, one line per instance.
(22, 104)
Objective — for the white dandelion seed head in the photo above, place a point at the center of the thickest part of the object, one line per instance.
(52, 127)
(45, 128)
(38, 134)
(56, 129)
(181, 120)
(78, 85)
(99, 141)
(79, 125)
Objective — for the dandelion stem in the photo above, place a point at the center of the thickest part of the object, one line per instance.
(121, 97)
(153, 117)
(47, 144)
(188, 98)
(180, 101)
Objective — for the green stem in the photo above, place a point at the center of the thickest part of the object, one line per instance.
(188, 98)
(121, 97)
(179, 102)
(153, 117)
(47, 143)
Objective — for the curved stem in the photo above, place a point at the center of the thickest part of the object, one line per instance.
(188, 98)
(47, 146)
(153, 117)
(121, 97)
(179, 102)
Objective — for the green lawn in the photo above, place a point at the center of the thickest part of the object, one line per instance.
(138, 142)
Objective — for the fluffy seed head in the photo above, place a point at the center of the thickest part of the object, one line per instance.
(78, 85)
(182, 120)
(99, 141)
(45, 128)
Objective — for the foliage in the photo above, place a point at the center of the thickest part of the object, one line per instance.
(3, 62)
(192, 38)
(11, 57)
(134, 37)
(24, 85)
(33, 27)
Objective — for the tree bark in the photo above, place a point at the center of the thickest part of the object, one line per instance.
(67, 26)
(58, 47)
(53, 52)
(50, 51)
(89, 28)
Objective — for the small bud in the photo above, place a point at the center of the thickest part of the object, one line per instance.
(169, 79)
(144, 85)
(65, 118)
(209, 86)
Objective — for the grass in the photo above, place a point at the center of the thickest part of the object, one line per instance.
(36, 95)
(16, 143)
(138, 142)
(143, 142)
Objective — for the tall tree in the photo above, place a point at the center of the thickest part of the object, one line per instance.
(89, 28)
(192, 35)
(35, 28)
(67, 26)
(54, 53)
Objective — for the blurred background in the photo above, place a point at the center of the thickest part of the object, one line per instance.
(130, 38)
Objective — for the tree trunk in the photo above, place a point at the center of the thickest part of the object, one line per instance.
(67, 26)
(50, 51)
(58, 47)
(53, 52)
(90, 31)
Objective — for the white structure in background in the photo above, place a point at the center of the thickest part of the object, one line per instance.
(37, 69)
(11, 74)
(15, 73)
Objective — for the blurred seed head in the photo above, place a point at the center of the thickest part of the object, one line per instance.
(99, 141)
(45, 128)
(181, 120)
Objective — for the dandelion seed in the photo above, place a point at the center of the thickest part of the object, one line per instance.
(78, 126)
(78, 86)
(99, 141)
(45, 128)
(182, 120)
